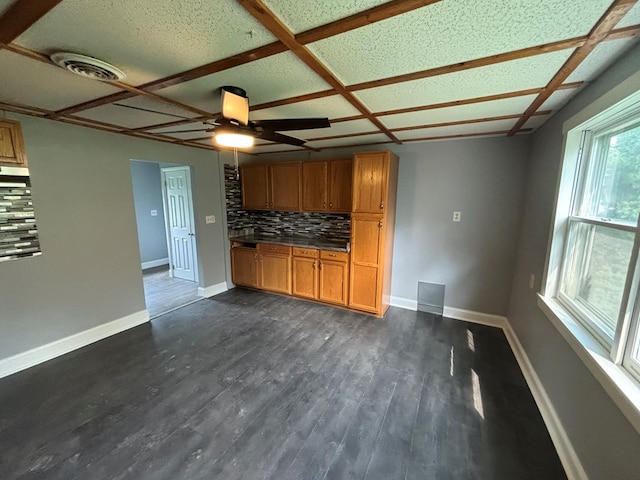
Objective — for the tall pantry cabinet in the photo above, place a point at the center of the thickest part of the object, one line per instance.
(375, 181)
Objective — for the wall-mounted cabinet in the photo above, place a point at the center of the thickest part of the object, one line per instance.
(323, 186)
(326, 186)
(271, 186)
(255, 187)
(12, 152)
(370, 182)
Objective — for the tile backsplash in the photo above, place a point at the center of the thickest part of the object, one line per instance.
(335, 226)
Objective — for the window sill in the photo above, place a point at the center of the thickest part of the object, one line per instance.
(618, 384)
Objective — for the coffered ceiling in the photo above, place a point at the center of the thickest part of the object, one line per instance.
(382, 71)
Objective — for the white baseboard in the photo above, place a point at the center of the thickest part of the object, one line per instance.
(455, 313)
(568, 456)
(155, 263)
(30, 358)
(405, 303)
(570, 461)
(213, 289)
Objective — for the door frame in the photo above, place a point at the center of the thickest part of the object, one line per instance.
(165, 204)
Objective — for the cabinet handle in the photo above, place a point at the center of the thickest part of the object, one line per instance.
(320, 265)
(381, 205)
(314, 265)
(380, 224)
(331, 205)
(332, 254)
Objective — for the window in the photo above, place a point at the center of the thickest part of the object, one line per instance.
(596, 275)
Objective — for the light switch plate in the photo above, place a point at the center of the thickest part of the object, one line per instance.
(210, 219)
(154, 213)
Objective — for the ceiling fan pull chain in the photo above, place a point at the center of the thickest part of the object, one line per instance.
(235, 161)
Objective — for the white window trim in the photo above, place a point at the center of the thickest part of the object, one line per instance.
(616, 381)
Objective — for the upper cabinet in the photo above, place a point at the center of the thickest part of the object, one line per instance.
(314, 186)
(326, 186)
(11, 144)
(340, 184)
(284, 179)
(323, 186)
(255, 187)
(370, 180)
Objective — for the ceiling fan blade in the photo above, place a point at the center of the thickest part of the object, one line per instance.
(187, 131)
(284, 124)
(278, 137)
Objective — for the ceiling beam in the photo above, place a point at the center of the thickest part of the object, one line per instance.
(260, 11)
(362, 19)
(464, 135)
(598, 33)
(20, 16)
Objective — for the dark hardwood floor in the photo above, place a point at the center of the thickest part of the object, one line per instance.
(256, 386)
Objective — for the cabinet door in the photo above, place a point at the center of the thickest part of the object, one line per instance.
(285, 186)
(340, 182)
(255, 187)
(334, 276)
(244, 267)
(366, 249)
(11, 144)
(370, 172)
(314, 186)
(305, 277)
(275, 273)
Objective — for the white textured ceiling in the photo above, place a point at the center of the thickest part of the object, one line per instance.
(273, 78)
(148, 39)
(453, 31)
(37, 84)
(503, 77)
(151, 40)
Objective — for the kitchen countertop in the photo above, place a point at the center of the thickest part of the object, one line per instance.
(320, 244)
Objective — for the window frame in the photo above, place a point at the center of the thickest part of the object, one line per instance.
(615, 368)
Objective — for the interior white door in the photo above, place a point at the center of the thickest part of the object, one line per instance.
(180, 218)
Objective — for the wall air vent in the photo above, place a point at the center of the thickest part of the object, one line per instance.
(87, 67)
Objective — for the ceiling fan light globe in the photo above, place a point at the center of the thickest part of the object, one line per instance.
(233, 140)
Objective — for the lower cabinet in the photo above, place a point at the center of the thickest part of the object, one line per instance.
(334, 277)
(244, 266)
(321, 275)
(275, 272)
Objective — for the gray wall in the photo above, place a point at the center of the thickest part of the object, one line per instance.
(147, 196)
(89, 272)
(483, 179)
(604, 440)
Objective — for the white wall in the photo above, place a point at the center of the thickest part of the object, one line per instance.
(604, 440)
(89, 272)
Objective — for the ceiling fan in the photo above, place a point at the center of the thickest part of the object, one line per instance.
(234, 129)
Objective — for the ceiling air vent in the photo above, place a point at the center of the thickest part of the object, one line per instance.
(87, 67)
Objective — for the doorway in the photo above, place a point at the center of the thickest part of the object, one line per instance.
(166, 235)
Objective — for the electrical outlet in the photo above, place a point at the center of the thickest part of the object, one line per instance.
(210, 219)
(154, 213)
(456, 216)
(532, 281)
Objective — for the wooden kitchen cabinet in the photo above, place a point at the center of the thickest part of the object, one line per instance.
(375, 177)
(305, 277)
(366, 241)
(334, 277)
(12, 152)
(285, 191)
(326, 186)
(274, 270)
(244, 266)
(370, 182)
(340, 184)
(255, 187)
(314, 186)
